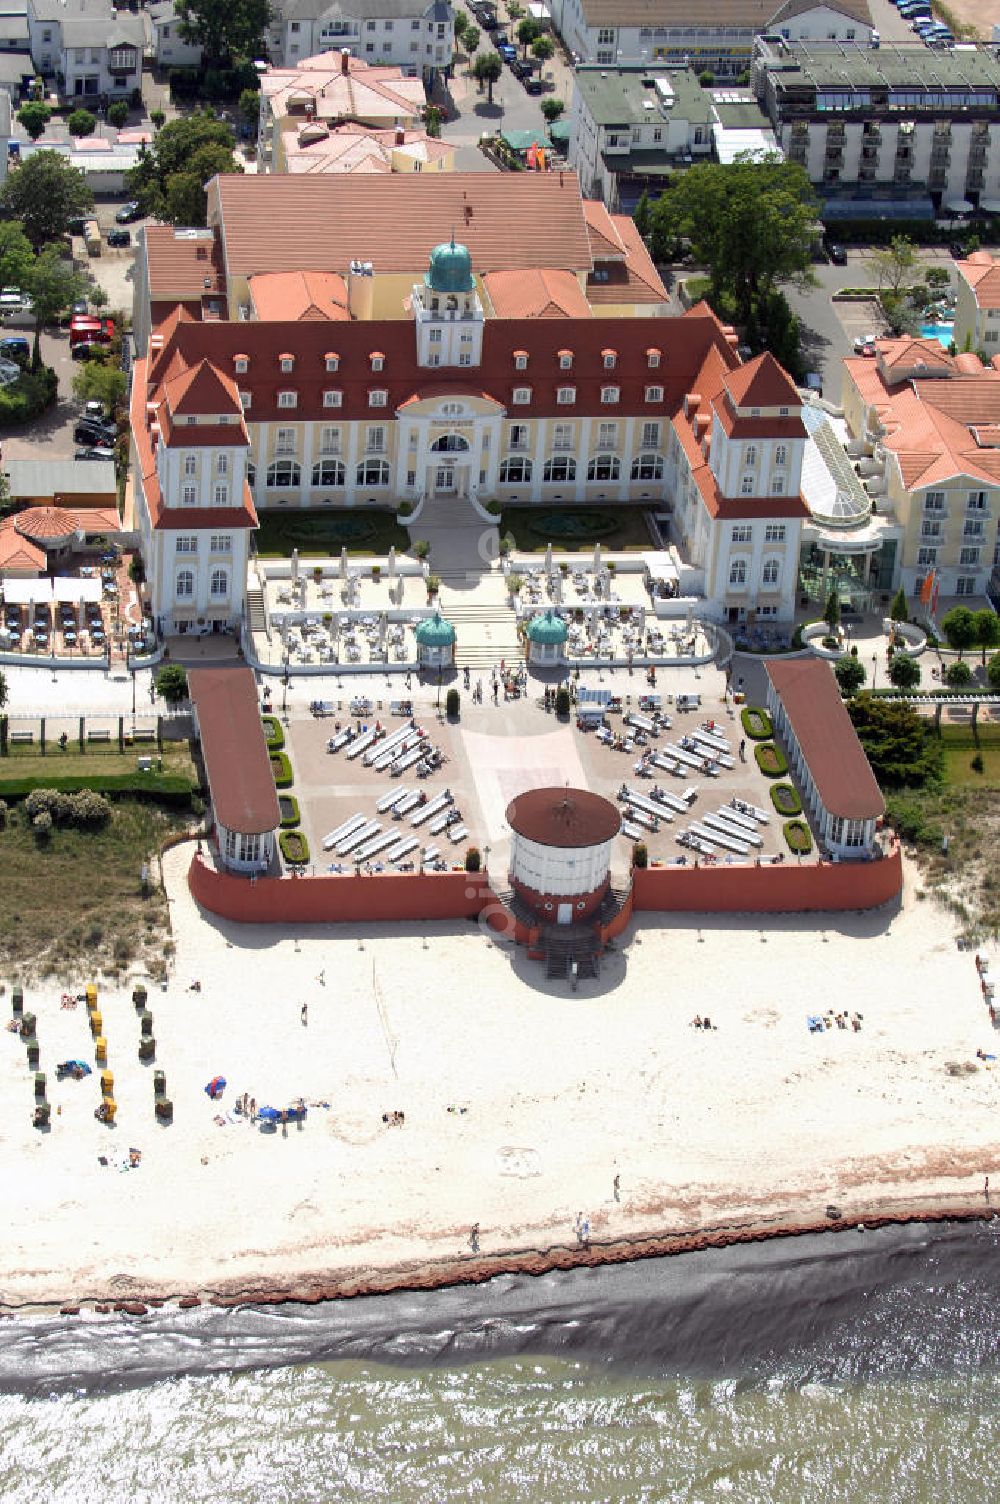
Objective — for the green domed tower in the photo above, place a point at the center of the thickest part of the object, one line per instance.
(450, 269)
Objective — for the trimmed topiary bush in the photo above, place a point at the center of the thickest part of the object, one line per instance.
(294, 847)
(473, 860)
(451, 704)
(274, 733)
(785, 799)
(756, 723)
(289, 808)
(282, 770)
(798, 837)
(640, 854)
(562, 702)
(770, 759)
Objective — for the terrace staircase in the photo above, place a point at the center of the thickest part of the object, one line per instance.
(256, 620)
(486, 632)
(565, 943)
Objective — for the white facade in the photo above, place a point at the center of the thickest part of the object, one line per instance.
(169, 48)
(96, 50)
(952, 157)
(673, 119)
(846, 839)
(417, 36)
(243, 852)
(562, 871)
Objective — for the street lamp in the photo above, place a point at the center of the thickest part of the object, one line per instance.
(874, 668)
(440, 676)
(486, 859)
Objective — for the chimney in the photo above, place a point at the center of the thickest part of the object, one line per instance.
(361, 289)
(345, 60)
(400, 135)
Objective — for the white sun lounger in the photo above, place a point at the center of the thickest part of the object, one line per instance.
(717, 754)
(760, 815)
(375, 845)
(340, 740)
(643, 817)
(713, 738)
(431, 853)
(737, 832)
(348, 827)
(402, 848)
(362, 834)
(389, 801)
(671, 802)
(648, 806)
(408, 759)
(669, 765)
(734, 817)
(719, 838)
(362, 743)
(690, 794)
(633, 832)
(696, 843)
(379, 749)
(432, 807)
(441, 824)
(681, 755)
(385, 756)
(457, 833)
(405, 806)
(640, 722)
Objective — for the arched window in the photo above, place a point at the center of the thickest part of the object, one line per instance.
(328, 473)
(373, 473)
(647, 467)
(780, 454)
(738, 572)
(185, 584)
(771, 572)
(220, 582)
(604, 467)
(515, 470)
(284, 473)
(450, 443)
(562, 467)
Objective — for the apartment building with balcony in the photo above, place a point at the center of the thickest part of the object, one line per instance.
(93, 50)
(417, 36)
(902, 130)
(977, 306)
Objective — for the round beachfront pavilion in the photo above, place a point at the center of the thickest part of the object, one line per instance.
(546, 634)
(560, 853)
(435, 642)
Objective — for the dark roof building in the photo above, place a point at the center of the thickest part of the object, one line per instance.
(240, 781)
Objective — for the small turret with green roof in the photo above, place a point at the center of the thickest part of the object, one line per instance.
(435, 632)
(547, 628)
(450, 269)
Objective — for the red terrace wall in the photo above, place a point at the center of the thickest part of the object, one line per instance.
(787, 888)
(338, 899)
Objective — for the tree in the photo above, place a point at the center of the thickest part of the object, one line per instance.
(461, 25)
(992, 673)
(899, 610)
(97, 382)
(470, 40)
(542, 49)
(249, 108)
(552, 109)
(750, 222)
(831, 611)
(899, 742)
(118, 112)
(16, 255)
(45, 193)
(643, 215)
(904, 671)
(54, 286)
(225, 29)
(850, 674)
(172, 684)
(82, 123)
(959, 628)
(958, 675)
(97, 297)
(987, 630)
(3, 690)
(432, 121)
(486, 69)
(169, 178)
(158, 119)
(892, 265)
(528, 31)
(34, 116)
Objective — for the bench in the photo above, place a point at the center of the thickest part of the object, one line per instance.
(99, 736)
(144, 736)
(22, 736)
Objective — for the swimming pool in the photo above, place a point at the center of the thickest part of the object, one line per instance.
(943, 333)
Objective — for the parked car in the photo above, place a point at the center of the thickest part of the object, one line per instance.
(95, 411)
(958, 250)
(119, 238)
(96, 452)
(836, 253)
(533, 85)
(91, 431)
(15, 347)
(128, 213)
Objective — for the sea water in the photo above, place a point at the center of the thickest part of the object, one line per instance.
(855, 1366)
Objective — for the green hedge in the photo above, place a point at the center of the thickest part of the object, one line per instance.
(289, 807)
(785, 799)
(798, 837)
(273, 733)
(770, 759)
(294, 846)
(282, 770)
(162, 788)
(756, 723)
(31, 395)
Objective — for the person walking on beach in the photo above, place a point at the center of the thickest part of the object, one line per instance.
(321, 979)
(474, 1238)
(305, 1014)
(986, 1188)
(253, 1109)
(618, 1187)
(743, 750)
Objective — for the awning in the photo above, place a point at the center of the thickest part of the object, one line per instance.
(990, 205)
(959, 206)
(45, 591)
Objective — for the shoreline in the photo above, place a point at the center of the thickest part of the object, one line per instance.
(479, 1269)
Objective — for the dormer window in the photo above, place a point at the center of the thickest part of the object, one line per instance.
(331, 361)
(288, 399)
(241, 364)
(522, 396)
(332, 399)
(566, 396)
(565, 360)
(654, 394)
(378, 360)
(610, 394)
(653, 358)
(287, 363)
(378, 398)
(245, 401)
(610, 359)
(520, 360)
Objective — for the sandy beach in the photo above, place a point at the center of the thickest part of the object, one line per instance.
(522, 1101)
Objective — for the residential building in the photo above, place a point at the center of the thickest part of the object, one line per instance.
(926, 429)
(889, 131)
(977, 307)
(93, 50)
(609, 32)
(416, 36)
(329, 90)
(170, 50)
(324, 344)
(631, 125)
(317, 147)
(14, 26)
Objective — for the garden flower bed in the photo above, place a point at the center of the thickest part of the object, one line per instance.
(294, 846)
(770, 759)
(282, 770)
(289, 807)
(785, 799)
(273, 734)
(756, 723)
(798, 837)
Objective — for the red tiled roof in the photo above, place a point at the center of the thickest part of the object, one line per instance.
(285, 223)
(536, 293)
(202, 391)
(181, 261)
(16, 553)
(983, 275)
(46, 523)
(605, 239)
(836, 759)
(634, 281)
(232, 743)
(762, 382)
(300, 295)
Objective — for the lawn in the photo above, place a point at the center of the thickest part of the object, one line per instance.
(960, 745)
(74, 905)
(619, 528)
(102, 760)
(321, 535)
